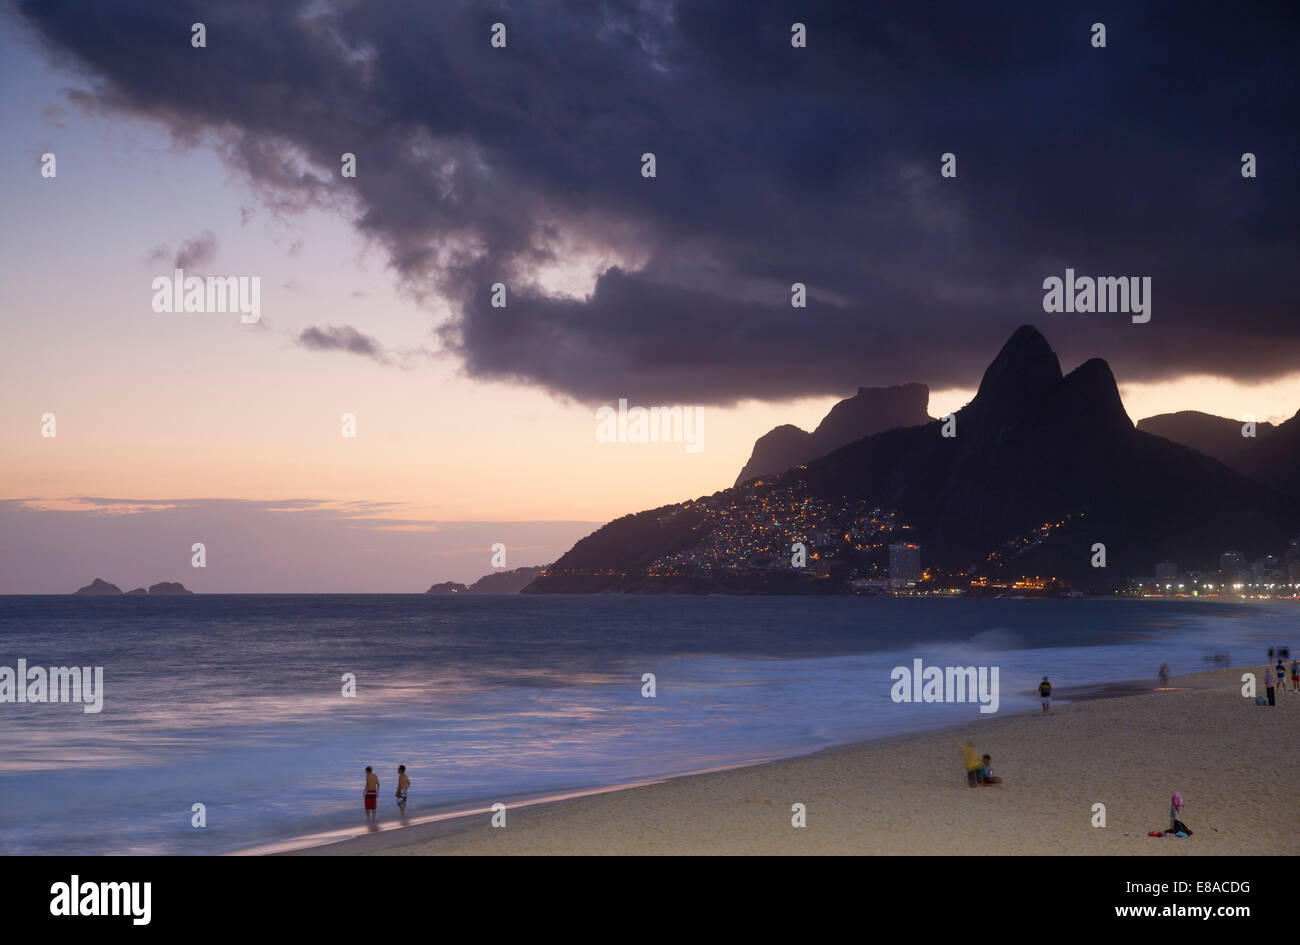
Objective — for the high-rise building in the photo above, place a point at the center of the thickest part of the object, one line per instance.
(904, 563)
(1293, 551)
(1231, 561)
(1268, 569)
(1166, 571)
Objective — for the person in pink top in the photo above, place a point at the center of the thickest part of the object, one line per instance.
(1175, 808)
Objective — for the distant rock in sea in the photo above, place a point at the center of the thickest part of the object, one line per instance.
(447, 587)
(137, 592)
(167, 587)
(99, 586)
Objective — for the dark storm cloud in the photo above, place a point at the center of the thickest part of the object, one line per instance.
(775, 165)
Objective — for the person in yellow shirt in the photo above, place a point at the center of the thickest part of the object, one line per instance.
(973, 764)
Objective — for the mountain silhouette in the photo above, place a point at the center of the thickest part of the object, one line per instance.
(1275, 461)
(1271, 456)
(1214, 436)
(1043, 466)
(497, 582)
(870, 410)
(1034, 447)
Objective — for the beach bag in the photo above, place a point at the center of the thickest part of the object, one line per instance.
(1180, 827)
(1260, 700)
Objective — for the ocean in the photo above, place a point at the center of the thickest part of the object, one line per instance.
(235, 702)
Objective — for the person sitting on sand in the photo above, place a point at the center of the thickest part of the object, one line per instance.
(372, 794)
(986, 771)
(1175, 808)
(1045, 693)
(973, 765)
(403, 785)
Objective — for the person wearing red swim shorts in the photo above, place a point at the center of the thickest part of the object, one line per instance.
(372, 794)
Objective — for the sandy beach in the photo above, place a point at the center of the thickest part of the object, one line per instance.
(1233, 762)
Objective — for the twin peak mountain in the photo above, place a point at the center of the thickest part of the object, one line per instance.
(1037, 453)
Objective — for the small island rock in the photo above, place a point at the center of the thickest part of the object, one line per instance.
(99, 586)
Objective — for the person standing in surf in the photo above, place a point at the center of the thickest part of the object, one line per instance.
(403, 785)
(372, 794)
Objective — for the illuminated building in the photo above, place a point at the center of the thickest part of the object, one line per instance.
(904, 563)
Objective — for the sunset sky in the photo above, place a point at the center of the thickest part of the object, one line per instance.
(522, 165)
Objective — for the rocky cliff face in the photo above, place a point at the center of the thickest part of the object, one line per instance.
(871, 410)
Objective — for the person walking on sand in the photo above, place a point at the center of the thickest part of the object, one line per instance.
(403, 785)
(1045, 693)
(1269, 682)
(1164, 675)
(372, 794)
